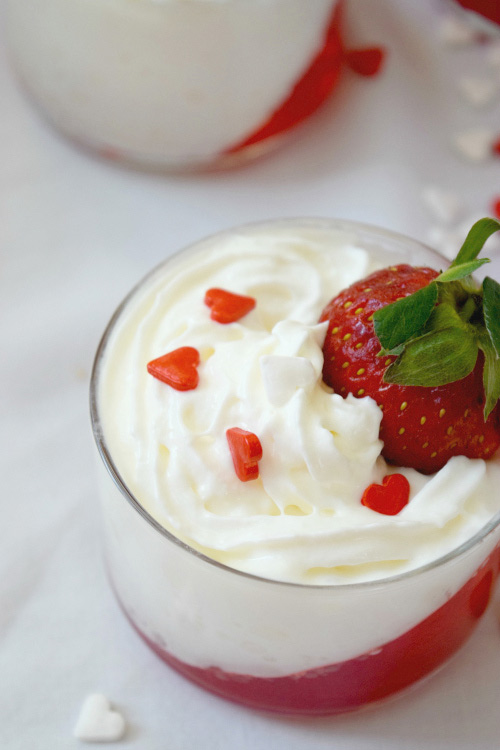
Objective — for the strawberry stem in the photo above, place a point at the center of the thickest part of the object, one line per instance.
(468, 309)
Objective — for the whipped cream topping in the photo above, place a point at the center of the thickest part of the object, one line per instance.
(302, 519)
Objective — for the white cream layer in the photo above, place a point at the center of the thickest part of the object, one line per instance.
(302, 520)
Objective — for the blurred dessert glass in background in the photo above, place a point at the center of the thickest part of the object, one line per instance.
(176, 83)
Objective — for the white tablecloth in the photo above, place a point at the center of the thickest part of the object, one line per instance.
(75, 234)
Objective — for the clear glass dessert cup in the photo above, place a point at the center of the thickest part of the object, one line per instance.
(176, 84)
(290, 648)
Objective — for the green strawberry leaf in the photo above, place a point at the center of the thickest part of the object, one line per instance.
(491, 309)
(455, 272)
(475, 240)
(444, 316)
(398, 322)
(436, 358)
(436, 332)
(491, 373)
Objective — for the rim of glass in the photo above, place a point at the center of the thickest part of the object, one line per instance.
(330, 223)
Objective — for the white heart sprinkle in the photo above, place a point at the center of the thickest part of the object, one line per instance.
(475, 145)
(445, 241)
(444, 205)
(478, 91)
(493, 56)
(98, 722)
(455, 32)
(282, 376)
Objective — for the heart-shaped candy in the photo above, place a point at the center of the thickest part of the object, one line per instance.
(455, 32)
(475, 145)
(444, 205)
(178, 368)
(365, 62)
(478, 91)
(227, 307)
(98, 722)
(388, 498)
(246, 452)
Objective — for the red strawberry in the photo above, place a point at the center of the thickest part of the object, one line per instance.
(436, 335)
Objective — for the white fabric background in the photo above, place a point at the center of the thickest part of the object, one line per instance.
(75, 234)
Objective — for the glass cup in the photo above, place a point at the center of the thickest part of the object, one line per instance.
(286, 647)
(176, 84)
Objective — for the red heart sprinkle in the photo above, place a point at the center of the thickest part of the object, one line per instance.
(246, 451)
(495, 206)
(365, 62)
(227, 307)
(388, 498)
(496, 147)
(177, 368)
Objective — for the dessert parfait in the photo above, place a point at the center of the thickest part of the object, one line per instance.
(298, 425)
(180, 83)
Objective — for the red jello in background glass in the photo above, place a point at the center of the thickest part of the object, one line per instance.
(282, 646)
(177, 84)
(489, 9)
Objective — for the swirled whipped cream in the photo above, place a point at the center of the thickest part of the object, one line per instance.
(302, 519)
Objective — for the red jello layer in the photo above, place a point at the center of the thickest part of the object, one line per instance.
(488, 8)
(368, 678)
(309, 92)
